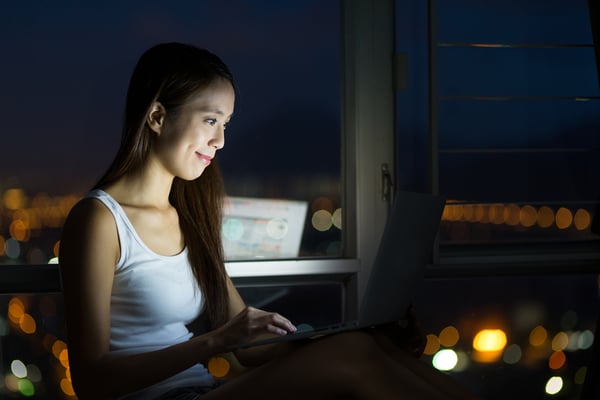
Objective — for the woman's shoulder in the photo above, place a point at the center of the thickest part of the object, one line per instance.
(88, 224)
(89, 213)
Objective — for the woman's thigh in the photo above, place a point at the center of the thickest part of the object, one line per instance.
(343, 366)
(324, 368)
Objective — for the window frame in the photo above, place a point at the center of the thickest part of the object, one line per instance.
(368, 143)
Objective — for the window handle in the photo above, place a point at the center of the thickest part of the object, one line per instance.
(386, 184)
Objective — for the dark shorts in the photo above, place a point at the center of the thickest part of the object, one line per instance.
(188, 393)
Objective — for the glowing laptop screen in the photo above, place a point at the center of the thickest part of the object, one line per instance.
(262, 228)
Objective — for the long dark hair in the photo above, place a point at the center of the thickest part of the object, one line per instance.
(171, 73)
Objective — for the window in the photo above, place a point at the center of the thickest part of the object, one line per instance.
(367, 127)
(515, 104)
(496, 107)
(512, 104)
(66, 69)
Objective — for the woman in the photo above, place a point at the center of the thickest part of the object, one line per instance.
(141, 257)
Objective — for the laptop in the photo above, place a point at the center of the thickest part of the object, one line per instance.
(404, 251)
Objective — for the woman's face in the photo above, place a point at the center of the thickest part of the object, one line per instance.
(188, 141)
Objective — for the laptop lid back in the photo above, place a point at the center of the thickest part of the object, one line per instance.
(405, 249)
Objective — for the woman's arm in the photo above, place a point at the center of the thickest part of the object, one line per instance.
(88, 255)
(276, 325)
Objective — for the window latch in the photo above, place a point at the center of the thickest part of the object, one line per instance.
(386, 184)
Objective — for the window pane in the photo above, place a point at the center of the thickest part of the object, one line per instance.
(518, 124)
(484, 71)
(516, 105)
(66, 70)
(299, 302)
(497, 176)
(412, 112)
(501, 21)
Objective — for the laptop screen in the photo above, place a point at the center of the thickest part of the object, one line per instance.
(255, 228)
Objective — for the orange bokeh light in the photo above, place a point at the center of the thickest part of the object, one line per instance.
(218, 366)
(582, 219)
(449, 336)
(545, 217)
(19, 230)
(528, 216)
(496, 212)
(63, 357)
(16, 309)
(538, 336)
(512, 214)
(432, 345)
(14, 199)
(469, 213)
(453, 212)
(486, 356)
(564, 218)
(27, 324)
(557, 360)
(57, 347)
(491, 340)
(67, 387)
(482, 214)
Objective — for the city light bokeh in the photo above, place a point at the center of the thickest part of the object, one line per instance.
(43, 364)
(30, 234)
(491, 346)
(30, 224)
(556, 347)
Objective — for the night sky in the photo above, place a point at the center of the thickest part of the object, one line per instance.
(65, 69)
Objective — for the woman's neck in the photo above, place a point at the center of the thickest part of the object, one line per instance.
(142, 190)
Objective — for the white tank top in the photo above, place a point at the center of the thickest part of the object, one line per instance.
(153, 298)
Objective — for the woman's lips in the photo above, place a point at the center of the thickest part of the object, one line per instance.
(204, 158)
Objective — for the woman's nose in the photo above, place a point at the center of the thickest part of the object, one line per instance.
(218, 140)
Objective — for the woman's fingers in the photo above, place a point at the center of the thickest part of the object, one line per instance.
(270, 322)
(283, 323)
(278, 331)
(277, 324)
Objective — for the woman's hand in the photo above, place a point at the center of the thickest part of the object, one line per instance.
(252, 323)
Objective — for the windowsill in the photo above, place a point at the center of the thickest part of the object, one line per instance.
(45, 278)
(291, 267)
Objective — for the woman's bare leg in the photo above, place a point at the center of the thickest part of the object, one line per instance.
(345, 366)
(443, 382)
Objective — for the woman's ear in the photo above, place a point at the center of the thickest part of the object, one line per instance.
(156, 117)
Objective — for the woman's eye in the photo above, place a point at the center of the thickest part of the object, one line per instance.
(211, 121)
